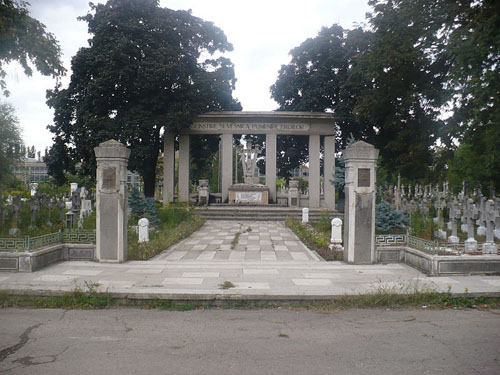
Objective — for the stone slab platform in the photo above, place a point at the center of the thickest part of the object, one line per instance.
(240, 241)
(258, 280)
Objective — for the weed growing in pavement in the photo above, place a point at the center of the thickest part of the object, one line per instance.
(227, 285)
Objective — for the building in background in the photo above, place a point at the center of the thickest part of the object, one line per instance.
(31, 170)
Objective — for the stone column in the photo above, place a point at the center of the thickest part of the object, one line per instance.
(314, 175)
(271, 165)
(329, 172)
(227, 165)
(184, 168)
(168, 168)
(111, 202)
(359, 225)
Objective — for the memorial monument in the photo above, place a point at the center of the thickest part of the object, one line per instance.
(318, 127)
(250, 192)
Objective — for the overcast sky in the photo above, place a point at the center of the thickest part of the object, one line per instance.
(261, 31)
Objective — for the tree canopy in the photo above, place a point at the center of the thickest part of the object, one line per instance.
(10, 140)
(422, 84)
(24, 39)
(147, 70)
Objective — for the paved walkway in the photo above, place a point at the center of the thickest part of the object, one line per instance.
(267, 261)
(240, 241)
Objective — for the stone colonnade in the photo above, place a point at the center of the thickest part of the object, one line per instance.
(271, 124)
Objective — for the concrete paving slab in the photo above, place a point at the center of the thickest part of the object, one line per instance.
(201, 274)
(82, 272)
(182, 281)
(311, 282)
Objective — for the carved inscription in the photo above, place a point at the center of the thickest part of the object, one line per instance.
(249, 126)
(363, 177)
(109, 178)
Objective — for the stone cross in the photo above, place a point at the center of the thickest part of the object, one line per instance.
(50, 206)
(16, 209)
(34, 208)
(470, 215)
(481, 230)
(497, 218)
(489, 247)
(454, 215)
(61, 205)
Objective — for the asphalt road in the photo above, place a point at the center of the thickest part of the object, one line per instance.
(280, 341)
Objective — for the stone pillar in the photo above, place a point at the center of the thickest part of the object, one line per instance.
(329, 172)
(184, 168)
(111, 202)
(168, 169)
(227, 165)
(271, 166)
(359, 226)
(314, 175)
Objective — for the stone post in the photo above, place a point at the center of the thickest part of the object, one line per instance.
(336, 235)
(111, 202)
(305, 215)
(359, 229)
(143, 230)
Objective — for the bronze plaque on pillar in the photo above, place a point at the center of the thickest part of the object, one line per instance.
(363, 177)
(109, 178)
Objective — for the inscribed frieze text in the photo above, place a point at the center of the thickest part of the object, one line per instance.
(249, 126)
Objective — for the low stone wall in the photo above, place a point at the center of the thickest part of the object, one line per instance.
(30, 261)
(439, 265)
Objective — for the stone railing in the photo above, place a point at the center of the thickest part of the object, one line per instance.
(421, 244)
(31, 243)
(432, 247)
(79, 236)
(390, 239)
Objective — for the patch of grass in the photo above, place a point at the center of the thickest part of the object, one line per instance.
(87, 297)
(227, 285)
(162, 238)
(313, 238)
(235, 240)
(386, 298)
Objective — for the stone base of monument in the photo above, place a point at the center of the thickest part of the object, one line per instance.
(244, 194)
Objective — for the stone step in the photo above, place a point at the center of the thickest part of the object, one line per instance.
(227, 212)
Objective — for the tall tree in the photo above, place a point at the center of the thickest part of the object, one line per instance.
(473, 46)
(318, 79)
(10, 140)
(23, 39)
(147, 70)
(407, 90)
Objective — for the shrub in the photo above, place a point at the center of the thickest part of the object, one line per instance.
(387, 218)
